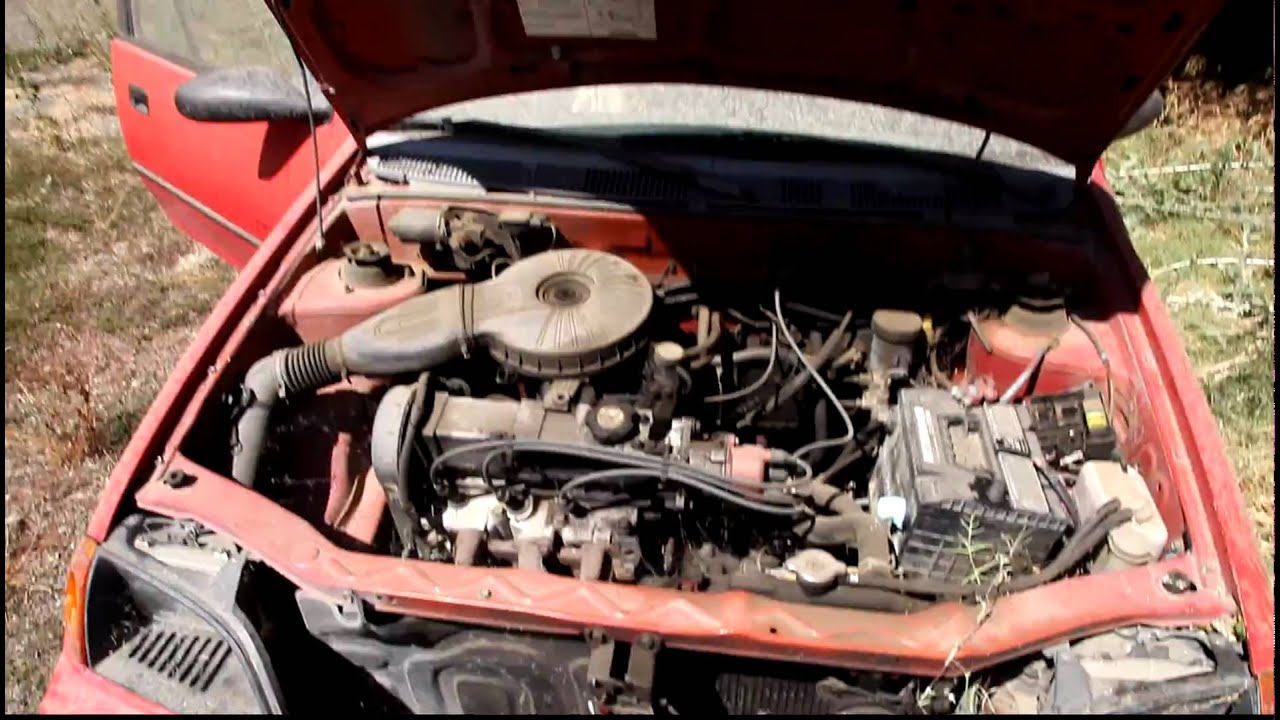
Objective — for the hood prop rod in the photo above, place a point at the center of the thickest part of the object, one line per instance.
(315, 148)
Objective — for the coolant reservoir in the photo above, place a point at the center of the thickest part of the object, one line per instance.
(1001, 347)
(338, 294)
(1139, 541)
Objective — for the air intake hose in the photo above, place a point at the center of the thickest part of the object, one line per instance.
(416, 335)
(281, 373)
(560, 313)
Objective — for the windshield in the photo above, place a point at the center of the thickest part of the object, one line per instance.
(674, 106)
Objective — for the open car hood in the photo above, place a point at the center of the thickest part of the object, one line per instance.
(1065, 76)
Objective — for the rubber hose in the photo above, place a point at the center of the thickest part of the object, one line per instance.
(852, 452)
(850, 525)
(746, 355)
(281, 373)
(709, 328)
(416, 410)
(1108, 517)
(819, 361)
(838, 528)
(1075, 551)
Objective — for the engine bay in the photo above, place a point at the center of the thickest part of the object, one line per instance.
(462, 437)
(528, 402)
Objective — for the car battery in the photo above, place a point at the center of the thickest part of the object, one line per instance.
(965, 489)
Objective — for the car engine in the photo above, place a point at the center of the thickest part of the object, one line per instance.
(561, 411)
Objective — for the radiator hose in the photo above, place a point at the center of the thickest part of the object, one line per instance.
(283, 372)
(849, 525)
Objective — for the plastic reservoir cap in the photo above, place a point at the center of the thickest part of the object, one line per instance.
(668, 353)
(892, 508)
(896, 326)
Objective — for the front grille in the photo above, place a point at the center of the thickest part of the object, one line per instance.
(756, 695)
(182, 664)
(190, 657)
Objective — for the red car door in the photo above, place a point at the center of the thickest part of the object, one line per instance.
(226, 184)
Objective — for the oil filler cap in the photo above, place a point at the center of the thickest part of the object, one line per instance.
(612, 423)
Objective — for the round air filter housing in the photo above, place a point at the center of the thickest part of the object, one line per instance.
(560, 313)
(564, 313)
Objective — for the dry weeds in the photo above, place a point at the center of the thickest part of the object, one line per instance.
(101, 296)
(1213, 200)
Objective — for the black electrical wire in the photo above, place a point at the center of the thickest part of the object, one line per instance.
(486, 476)
(680, 472)
(617, 474)
(1060, 489)
(1110, 516)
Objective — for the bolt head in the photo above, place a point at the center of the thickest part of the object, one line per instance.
(177, 479)
(1177, 583)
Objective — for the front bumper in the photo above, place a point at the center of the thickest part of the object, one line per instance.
(74, 689)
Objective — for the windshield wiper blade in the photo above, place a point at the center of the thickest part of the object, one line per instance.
(603, 146)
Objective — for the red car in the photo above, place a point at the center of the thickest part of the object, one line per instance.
(605, 356)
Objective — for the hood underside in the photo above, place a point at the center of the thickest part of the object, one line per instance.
(1064, 76)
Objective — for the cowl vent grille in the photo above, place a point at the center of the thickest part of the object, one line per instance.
(827, 191)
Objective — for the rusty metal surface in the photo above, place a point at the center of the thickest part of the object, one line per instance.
(734, 622)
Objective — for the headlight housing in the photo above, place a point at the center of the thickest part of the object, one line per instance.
(173, 635)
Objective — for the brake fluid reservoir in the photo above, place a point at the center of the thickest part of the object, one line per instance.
(893, 337)
(1139, 541)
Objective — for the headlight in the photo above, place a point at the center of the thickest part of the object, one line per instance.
(173, 636)
(1135, 670)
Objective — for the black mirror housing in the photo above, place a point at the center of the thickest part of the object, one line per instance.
(1144, 116)
(248, 94)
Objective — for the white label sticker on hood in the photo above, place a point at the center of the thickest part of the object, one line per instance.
(632, 19)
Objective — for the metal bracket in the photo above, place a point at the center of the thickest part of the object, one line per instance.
(631, 694)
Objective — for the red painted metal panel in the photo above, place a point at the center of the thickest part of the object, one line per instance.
(74, 689)
(156, 430)
(733, 622)
(1208, 489)
(225, 184)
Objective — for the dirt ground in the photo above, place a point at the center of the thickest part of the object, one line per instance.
(102, 295)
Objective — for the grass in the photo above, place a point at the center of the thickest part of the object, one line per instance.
(1197, 193)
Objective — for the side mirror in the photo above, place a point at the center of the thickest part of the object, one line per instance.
(248, 94)
(1146, 114)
